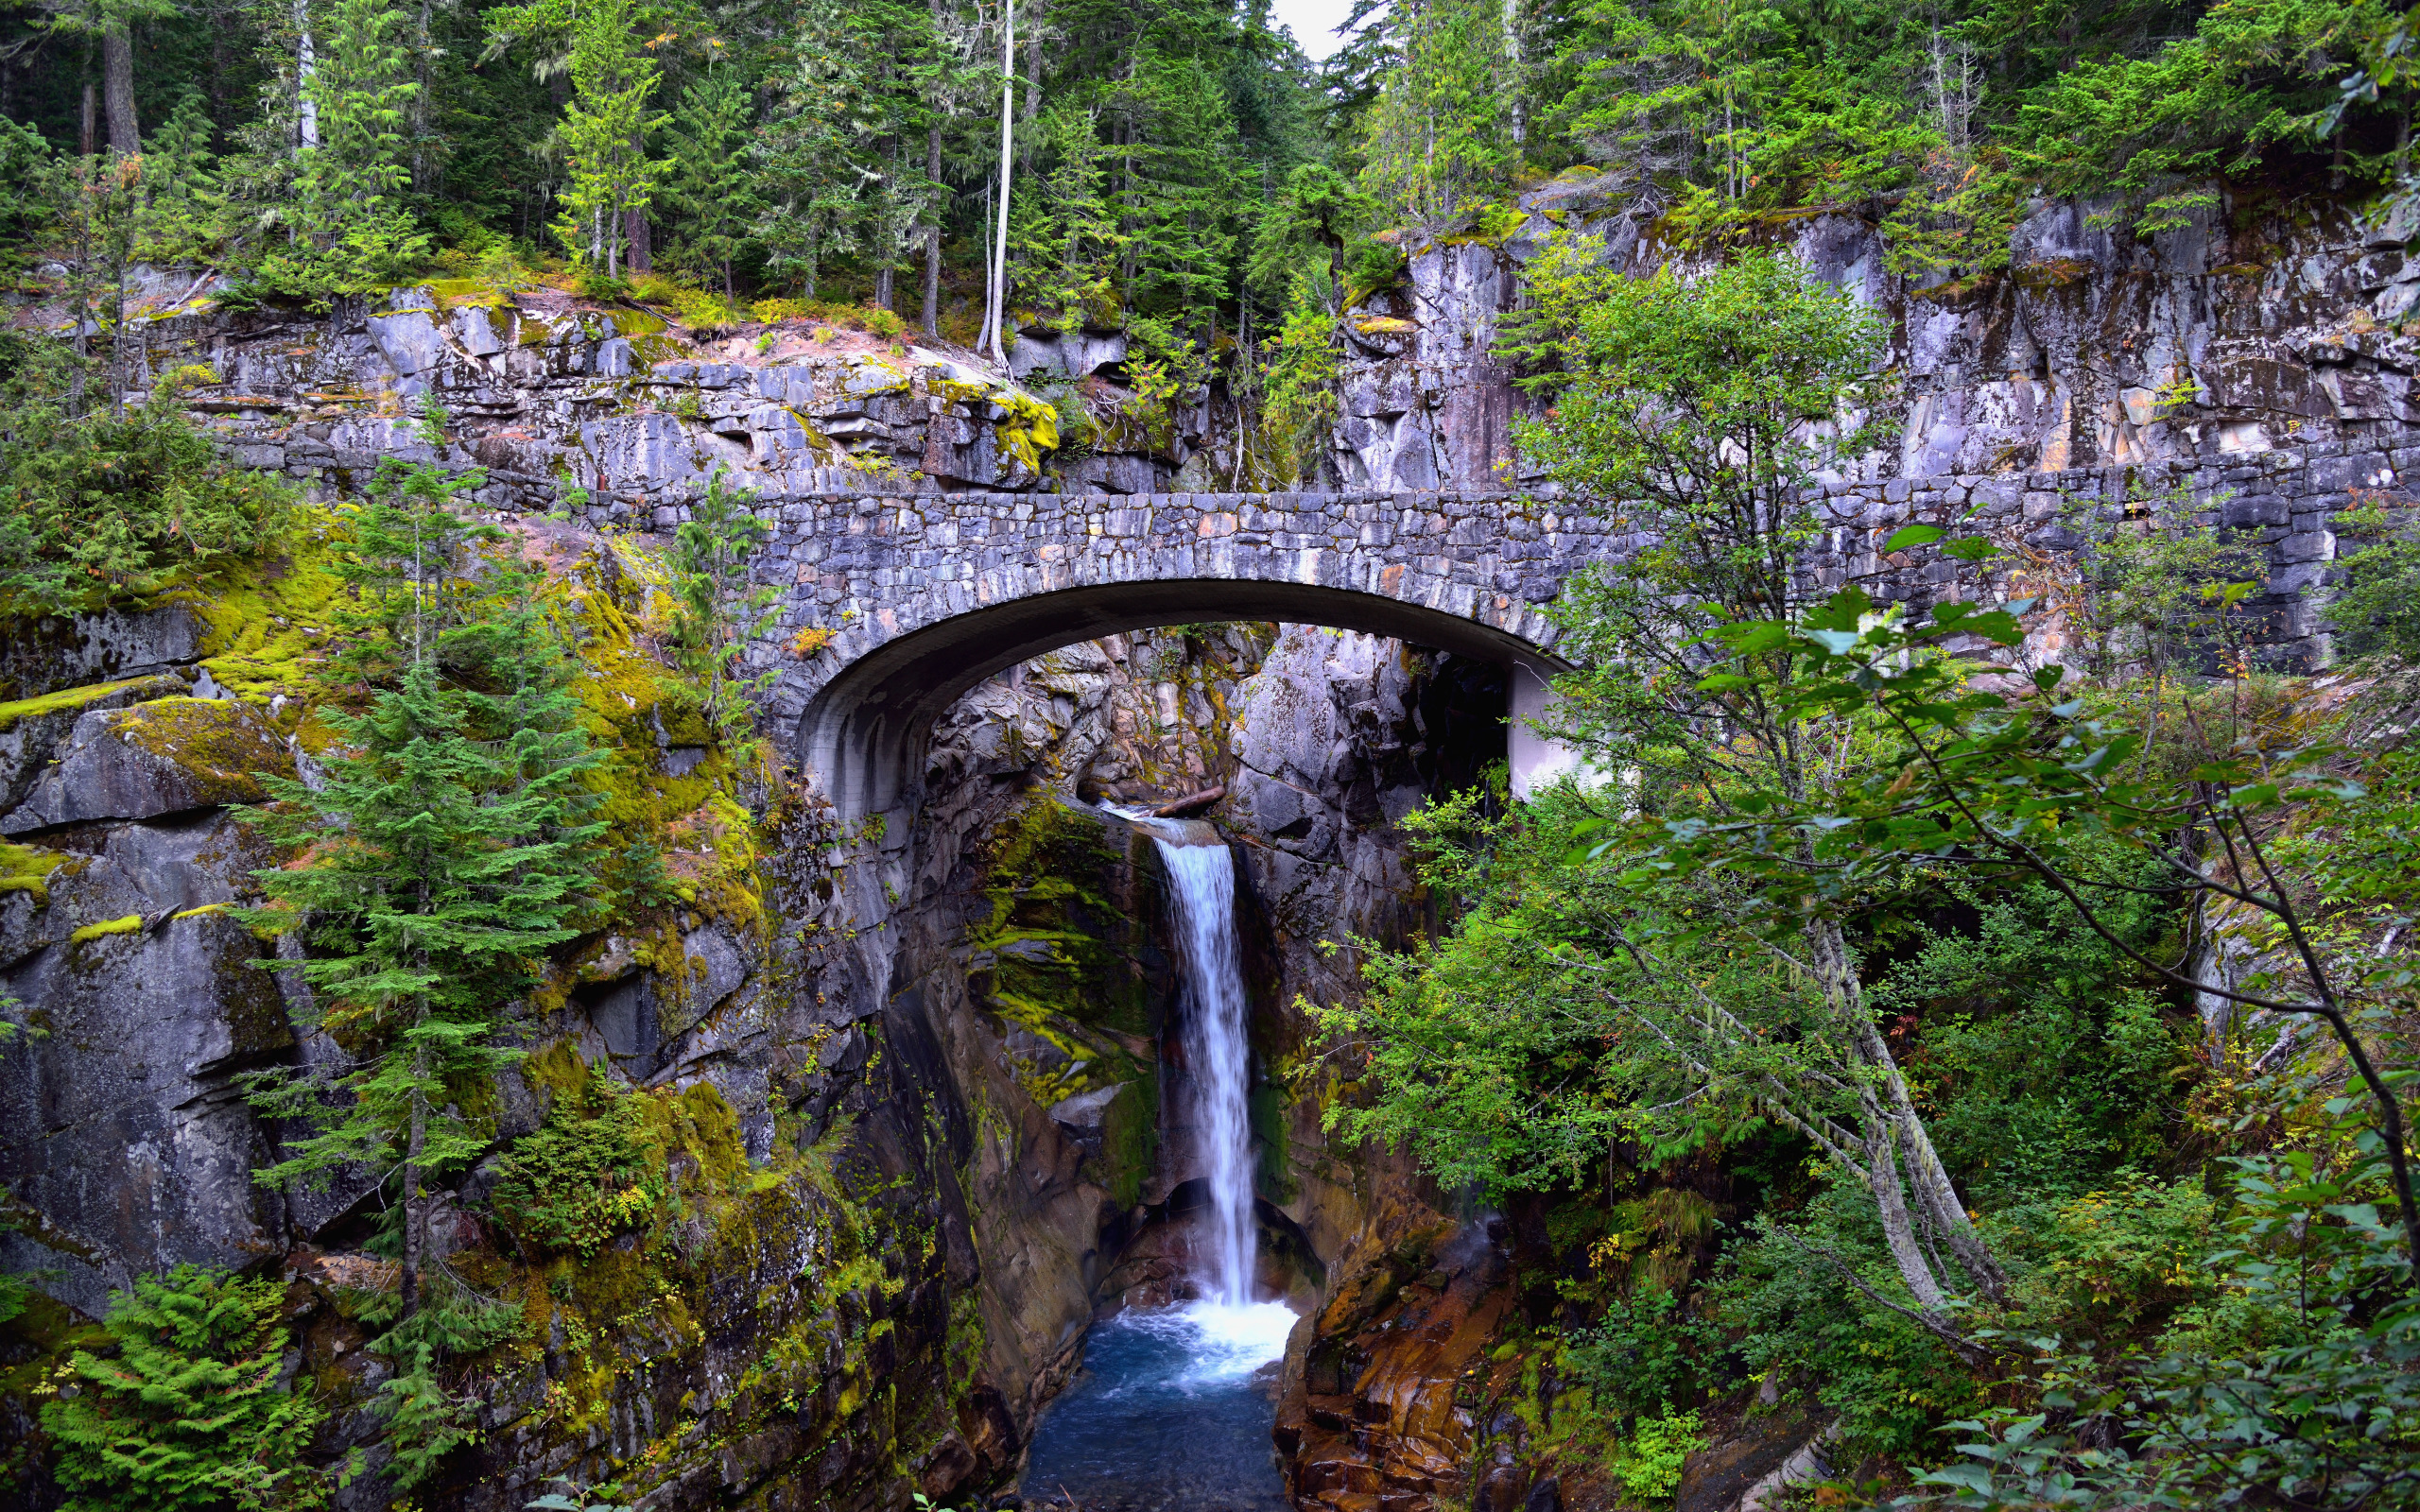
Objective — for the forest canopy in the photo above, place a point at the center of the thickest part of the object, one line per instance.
(1178, 167)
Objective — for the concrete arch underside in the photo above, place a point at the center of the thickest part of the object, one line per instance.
(863, 735)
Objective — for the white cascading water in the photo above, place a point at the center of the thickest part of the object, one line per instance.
(1201, 877)
(1173, 1408)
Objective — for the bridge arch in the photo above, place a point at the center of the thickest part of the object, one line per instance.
(895, 607)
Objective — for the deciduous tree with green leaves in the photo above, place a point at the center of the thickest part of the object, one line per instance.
(1700, 411)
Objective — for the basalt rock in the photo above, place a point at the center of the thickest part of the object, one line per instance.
(2261, 322)
(163, 755)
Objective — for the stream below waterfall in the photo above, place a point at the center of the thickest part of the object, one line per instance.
(1173, 1406)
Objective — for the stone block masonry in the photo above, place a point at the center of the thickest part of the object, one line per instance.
(872, 568)
(923, 595)
(893, 603)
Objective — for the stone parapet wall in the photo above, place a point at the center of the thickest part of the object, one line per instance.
(2285, 500)
(870, 567)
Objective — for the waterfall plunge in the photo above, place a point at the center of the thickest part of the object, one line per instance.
(1201, 877)
(1172, 1409)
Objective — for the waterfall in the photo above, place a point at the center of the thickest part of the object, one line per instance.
(1202, 878)
(1173, 1406)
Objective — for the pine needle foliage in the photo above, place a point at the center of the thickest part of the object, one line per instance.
(440, 855)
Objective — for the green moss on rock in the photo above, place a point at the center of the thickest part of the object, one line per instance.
(217, 742)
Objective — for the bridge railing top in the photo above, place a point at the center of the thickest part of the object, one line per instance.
(2392, 451)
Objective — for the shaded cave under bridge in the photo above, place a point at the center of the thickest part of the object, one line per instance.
(893, 607)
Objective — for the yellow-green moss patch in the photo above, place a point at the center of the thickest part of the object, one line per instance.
(127, 925)
(66, 699)
(30, 868)
(217, 741)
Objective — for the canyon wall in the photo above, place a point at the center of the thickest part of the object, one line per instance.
(910, 1078)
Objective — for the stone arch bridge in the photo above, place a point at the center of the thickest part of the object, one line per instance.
(923, 596)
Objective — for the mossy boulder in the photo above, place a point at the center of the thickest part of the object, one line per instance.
(166, 756)
(32, 728)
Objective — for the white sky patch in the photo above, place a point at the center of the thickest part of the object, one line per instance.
(1314, 23)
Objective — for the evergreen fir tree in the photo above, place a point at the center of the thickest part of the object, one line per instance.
(719, 611)
(813, 183)
(605, 129)
(443, 852)
(346, 186)
(709, 181)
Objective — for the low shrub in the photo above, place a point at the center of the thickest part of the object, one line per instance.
(1650, 1463)
(692, 307)
(589, 1173)
(102, 506)
(870, 319)
(191, 1416)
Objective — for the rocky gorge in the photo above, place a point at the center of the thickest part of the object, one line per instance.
(906, 1077)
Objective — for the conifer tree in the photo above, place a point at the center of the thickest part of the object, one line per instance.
(719, 611)
(604, 132)
(353, 230)
(1067, 241)
(708, 179)
(186, 209)
(445, 849)
(808, 157)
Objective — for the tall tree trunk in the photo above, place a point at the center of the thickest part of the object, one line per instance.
(117, 336)
(224, 21)
(1034, 16)
(84, 137)
(1000, 245)
(306, 62)
(1883, 1170)
(983, 336)
(117, 79)
(424, 163)
(634, 231)
(1890, 1113)
(933, 233)
(415, 1141)
(1513, 84)
(887, 252)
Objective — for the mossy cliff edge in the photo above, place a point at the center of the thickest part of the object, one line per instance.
(774, 1307)
(884, 1110)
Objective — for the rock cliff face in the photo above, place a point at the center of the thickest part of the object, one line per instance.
(552, 394)
(2266, 322)
(911, 1080)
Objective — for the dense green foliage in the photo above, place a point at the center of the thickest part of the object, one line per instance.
(110, 505)
(1934, 122)
(191, 1410)
(443, 848)
(1181, 170)
(1842, 928)
(584, 1176)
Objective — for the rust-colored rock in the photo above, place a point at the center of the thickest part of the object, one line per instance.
(1376, 1410)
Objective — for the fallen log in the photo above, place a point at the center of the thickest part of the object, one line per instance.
(1178, 807)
